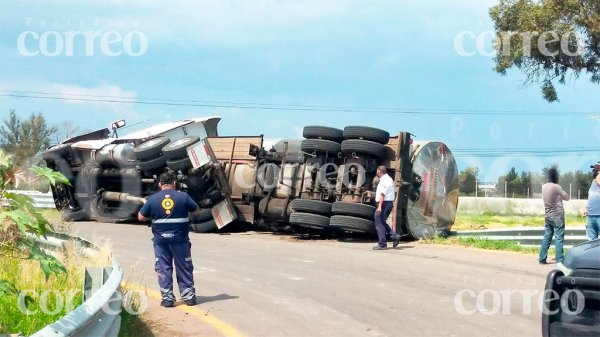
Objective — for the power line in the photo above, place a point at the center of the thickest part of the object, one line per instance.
(264, 106)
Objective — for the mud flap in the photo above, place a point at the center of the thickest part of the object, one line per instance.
(201, 154)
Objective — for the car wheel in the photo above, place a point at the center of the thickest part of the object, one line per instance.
(366, 133)
(357, 146)
(178, 148)
(179, 164)
(150, 149)
(312, 206)
(352, 224)
(323, 132)
(152, 164)
(320, 146)
(309, 220)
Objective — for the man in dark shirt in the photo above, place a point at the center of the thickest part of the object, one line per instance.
(553, 196)
(169, 211)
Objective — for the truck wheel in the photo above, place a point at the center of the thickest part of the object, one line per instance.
(79, 215)
(150, 149)
(323, 132)
(152, 164)
(352, 224)
(312, 206)
(178, 149)
(56, 152)
(203, 216)
(366, 133)
(308, 220)
(353, 209)
(179, 164)
(320, 146)
(204, 227)
(358, 146)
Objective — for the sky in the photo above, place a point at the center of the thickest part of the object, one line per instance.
(398, 65)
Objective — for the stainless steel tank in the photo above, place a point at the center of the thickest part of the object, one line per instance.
(433, 198)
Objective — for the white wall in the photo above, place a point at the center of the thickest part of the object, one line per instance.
(472, 205)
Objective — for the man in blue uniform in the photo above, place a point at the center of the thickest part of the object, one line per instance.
(169, 211)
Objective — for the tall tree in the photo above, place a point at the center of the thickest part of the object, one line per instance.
(548, 40)
(24, 139)
(65, 130)
(467, 180)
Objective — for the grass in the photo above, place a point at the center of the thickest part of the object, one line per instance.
(26, 275)
(487, 244)
(492, 221)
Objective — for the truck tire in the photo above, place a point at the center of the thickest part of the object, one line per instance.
(178, 148)
(320, 146)
(353, 209)
(204, 227)
(150, 149)
(203, 216)
(312, 206)
(352, 224)
(179, 164)
(367, 133)
(308, 220)
(56, 152)
(69, 215)
(323, 132)
(152, 164)
(358, 146)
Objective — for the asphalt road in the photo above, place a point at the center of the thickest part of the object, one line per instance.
(270, 285)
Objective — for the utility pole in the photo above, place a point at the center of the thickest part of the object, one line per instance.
(476, 187)
(570, 188)
(505, 189)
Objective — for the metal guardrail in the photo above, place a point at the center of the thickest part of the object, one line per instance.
(99, 315)
(40, 200)
(526, 236)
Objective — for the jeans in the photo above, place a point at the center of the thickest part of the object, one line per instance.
(554, 226)
(381, 225)
(592, 227)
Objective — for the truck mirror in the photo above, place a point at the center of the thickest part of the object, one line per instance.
(118, 124)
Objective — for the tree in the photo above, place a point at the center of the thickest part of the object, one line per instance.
(548, 40)
(24, 139)
(467, 180)
(65, 130)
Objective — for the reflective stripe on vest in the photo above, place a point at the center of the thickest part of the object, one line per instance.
(172, 220)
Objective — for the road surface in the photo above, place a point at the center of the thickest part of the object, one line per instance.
(261, 284)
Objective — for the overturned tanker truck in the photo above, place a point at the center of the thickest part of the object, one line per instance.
(321, 184)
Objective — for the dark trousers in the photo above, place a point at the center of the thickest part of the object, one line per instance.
(381, 225)
(181, 254)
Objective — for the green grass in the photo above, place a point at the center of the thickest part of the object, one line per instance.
(491, 221)
(133, 326)
(26, 275)
(482, 243)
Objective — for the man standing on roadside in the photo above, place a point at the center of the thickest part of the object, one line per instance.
(169, 211)
(384, 197)
(592, 211)
(553, 195)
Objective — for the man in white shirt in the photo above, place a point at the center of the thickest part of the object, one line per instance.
(384, 197)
